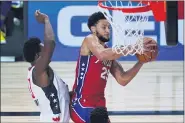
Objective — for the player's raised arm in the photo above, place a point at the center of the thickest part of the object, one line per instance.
(49, 43)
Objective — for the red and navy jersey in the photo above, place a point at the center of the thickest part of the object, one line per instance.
(91, 76)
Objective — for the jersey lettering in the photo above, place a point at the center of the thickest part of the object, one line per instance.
(30, 89)
(105, 72)
(36, 102)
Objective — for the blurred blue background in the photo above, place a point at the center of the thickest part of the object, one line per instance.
(68, 20)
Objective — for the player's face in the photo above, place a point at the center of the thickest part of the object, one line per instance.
(103, 30)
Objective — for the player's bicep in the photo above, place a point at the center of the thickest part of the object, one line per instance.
(117, 71)
(45, 58)
(94, 46)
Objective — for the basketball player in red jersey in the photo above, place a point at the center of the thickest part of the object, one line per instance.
(47, 89)
(95, 62)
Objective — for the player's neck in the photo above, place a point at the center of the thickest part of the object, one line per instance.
(102, 43)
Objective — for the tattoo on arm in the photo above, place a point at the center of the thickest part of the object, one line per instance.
(117, 69)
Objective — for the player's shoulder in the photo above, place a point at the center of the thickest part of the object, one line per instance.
(87, 40)
(84, 50)
(90, 38)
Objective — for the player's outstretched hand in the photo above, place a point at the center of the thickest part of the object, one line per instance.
(40, 17)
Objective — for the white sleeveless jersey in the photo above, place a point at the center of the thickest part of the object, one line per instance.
(46, 104)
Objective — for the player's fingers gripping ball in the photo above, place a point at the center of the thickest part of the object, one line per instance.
(150, 50)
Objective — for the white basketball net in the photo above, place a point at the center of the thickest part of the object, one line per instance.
(128, 28)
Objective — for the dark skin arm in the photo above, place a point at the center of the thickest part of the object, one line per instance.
(124, 77)
(41, 65)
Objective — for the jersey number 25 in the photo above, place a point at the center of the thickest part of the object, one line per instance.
(105, 72)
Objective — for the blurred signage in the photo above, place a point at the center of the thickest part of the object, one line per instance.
(69, 21)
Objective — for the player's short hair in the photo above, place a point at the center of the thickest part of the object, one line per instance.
(94, 18)
(99, 115)
(31, 48)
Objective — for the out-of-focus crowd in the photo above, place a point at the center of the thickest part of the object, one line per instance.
(11, 15)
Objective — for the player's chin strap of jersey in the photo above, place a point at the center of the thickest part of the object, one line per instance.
(51, 93)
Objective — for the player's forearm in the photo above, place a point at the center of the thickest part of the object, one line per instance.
(109, 54)
(131, 73)
(48, 32)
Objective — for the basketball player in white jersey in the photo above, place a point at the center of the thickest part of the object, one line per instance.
(47, 89)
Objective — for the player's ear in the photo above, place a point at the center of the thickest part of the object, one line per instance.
(93, 29)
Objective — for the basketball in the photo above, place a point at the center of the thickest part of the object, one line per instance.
(148, 56)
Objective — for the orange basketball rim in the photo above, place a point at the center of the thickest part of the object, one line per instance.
(157, 7)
